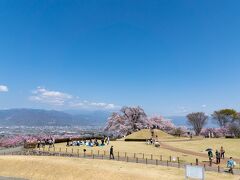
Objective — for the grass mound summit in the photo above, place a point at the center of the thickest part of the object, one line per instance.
(144, 134)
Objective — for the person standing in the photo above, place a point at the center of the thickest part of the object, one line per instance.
(218, 157)
(210, 156)
(222, 151)
(108, 140)
(111, 153)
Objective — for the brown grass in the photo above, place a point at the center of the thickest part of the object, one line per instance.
(51, 168)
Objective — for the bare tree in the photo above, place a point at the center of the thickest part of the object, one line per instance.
(197, 121)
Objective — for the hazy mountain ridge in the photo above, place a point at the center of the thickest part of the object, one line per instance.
(40, 117)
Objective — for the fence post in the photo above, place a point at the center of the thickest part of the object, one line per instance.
(197, 162)
(178, 162)
(127, 158)
(204, 166)
(136, 160)
(60, 149)
(118, 155)
(219, 169)
(54, 149)
(143, 155)
(66, 150)
(134, 155)
(93, 156)
(125, 154)
(104, 152)
(151, 157)
(156, 162)
(72, 150)
(161, 158)
(167, 162)
(170, 158)
(98, 152)
(146, 161)
(102, 156)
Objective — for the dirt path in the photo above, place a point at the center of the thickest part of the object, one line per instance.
(166, 146)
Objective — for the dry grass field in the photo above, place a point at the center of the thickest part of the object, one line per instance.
(139, 148)
(58, 168)
(231, 146)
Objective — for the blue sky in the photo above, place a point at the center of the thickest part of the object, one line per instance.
(170, 57)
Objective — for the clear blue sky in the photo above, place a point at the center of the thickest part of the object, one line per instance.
(170, 57)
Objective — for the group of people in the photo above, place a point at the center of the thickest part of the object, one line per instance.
(91, 142)
(42, 143)
(221, 155)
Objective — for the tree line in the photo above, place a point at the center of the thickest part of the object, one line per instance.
(225, 118)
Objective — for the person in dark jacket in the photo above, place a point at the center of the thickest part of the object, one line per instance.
(210, 156)
(218, 157)
(111, 153)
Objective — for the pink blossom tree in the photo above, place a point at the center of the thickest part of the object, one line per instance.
(129, 119)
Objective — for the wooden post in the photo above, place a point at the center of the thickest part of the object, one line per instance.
(143, 155)
(127, 158)
(204, 166)
(118, 155)
(197, 162)
(60, 149)
(170, 158)
(54, 149)
(219, 169)
(146, 161)
(134, 155)
(125, 154)
(102, 156)
(156, 162)
(151, 157)
(93, 156)
(104, 152)
(98, 152)
(178, 162)
(66, 150)
(136, 160)
(167, 162)
(161, 158)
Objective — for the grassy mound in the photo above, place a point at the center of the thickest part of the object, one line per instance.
(146, 134)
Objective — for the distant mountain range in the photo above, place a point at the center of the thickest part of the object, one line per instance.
(39, 117)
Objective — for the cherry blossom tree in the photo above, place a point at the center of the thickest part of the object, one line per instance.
(129, 119)
(132, 119)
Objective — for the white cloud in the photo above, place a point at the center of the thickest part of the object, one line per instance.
(43, 95)
(204, 106)
(3, 88)
(57, 98)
